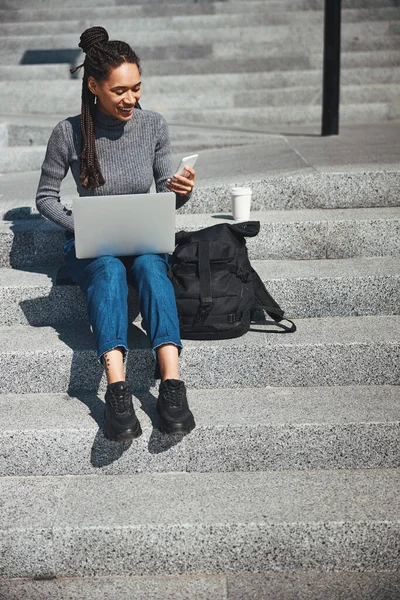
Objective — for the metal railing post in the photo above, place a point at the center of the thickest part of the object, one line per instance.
(331, 74)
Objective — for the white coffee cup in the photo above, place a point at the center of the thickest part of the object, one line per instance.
(241, 201)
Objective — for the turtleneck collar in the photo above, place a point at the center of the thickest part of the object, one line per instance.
(108, 122)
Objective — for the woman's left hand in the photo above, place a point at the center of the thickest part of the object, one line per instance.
(182, 185)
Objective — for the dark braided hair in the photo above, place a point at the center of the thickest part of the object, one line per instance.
(102, 55)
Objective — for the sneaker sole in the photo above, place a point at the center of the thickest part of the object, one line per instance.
(123, 436)
(175, 427)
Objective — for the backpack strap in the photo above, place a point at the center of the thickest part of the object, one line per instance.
(204, 273)
(206, 301)
(214, 320)
(265, 301)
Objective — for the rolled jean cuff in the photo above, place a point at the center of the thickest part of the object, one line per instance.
(165, 340)
(112, 346)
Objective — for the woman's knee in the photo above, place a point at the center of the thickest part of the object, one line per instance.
(105, 271)
(108, 267)
(147, 265)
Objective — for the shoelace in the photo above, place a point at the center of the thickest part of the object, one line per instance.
(174, 395)
(120, 401)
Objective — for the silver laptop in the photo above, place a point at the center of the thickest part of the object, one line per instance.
(124, 225)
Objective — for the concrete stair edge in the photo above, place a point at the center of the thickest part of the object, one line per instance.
(295, 234)
(253, 17)
(278, 98)
(304, 289)
(52, 528)
(355, 584)
(311, 7)
(319, 428)
(337, 187)
(175, 67)
(324, 351)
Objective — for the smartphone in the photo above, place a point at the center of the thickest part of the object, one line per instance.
(190, 161)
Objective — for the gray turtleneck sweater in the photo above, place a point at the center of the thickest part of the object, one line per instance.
(131, 153)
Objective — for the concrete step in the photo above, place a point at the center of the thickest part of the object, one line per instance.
(303, 234)
(197, 98)
(23, 146)
(280, 62)
(21, 158)
(355, 42)
(161, 68)
(141, 12)
(26, 72)
(281, 97)
(124, 20)
(197, 140)
(325, 351)
(3, 135)
(25, 11)
(335, 188)
(350, 60)
(251, 121)
(278, 9)
(40, 4)
(147, 39)
(228, 82)
(124, 24)
(351, 585)
(293, 188)
(202, 43)
(33, 75)
(153, 4)
(323, 288)
(28, 158)
(183, 138)
(185, 523)
(354, 427)
(63, 13)
(270, 118)
(349, 95)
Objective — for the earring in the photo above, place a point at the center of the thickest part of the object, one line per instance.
(95, 99)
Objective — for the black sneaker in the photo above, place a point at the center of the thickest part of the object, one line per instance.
(120, 421)
(172, 407)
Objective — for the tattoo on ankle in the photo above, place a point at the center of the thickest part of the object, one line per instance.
(106, 362)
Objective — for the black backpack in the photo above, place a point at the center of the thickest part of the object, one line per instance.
(217, 291)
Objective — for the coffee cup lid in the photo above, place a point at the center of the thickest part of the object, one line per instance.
(239, 191)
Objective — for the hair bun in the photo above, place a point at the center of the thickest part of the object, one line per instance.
(94, 36)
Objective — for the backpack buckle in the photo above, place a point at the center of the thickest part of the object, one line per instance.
(231, 319)
(243, 275)
(202, 313)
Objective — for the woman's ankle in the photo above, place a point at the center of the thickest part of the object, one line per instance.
(113, 362)
(168, 359)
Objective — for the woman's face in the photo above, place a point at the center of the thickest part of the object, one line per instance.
(118, 95)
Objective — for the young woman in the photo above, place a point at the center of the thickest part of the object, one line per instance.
(112, 147)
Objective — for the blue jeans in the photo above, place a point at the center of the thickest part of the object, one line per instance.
(104, 281)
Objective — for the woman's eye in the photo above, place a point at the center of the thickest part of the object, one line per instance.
(119, 92)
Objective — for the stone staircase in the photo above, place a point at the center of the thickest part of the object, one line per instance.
(289, 485)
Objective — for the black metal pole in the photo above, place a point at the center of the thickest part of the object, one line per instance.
(331, 75)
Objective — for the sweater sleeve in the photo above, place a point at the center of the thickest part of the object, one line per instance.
(162, 166)
(54, 168)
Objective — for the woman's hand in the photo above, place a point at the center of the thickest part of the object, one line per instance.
(182, 185)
